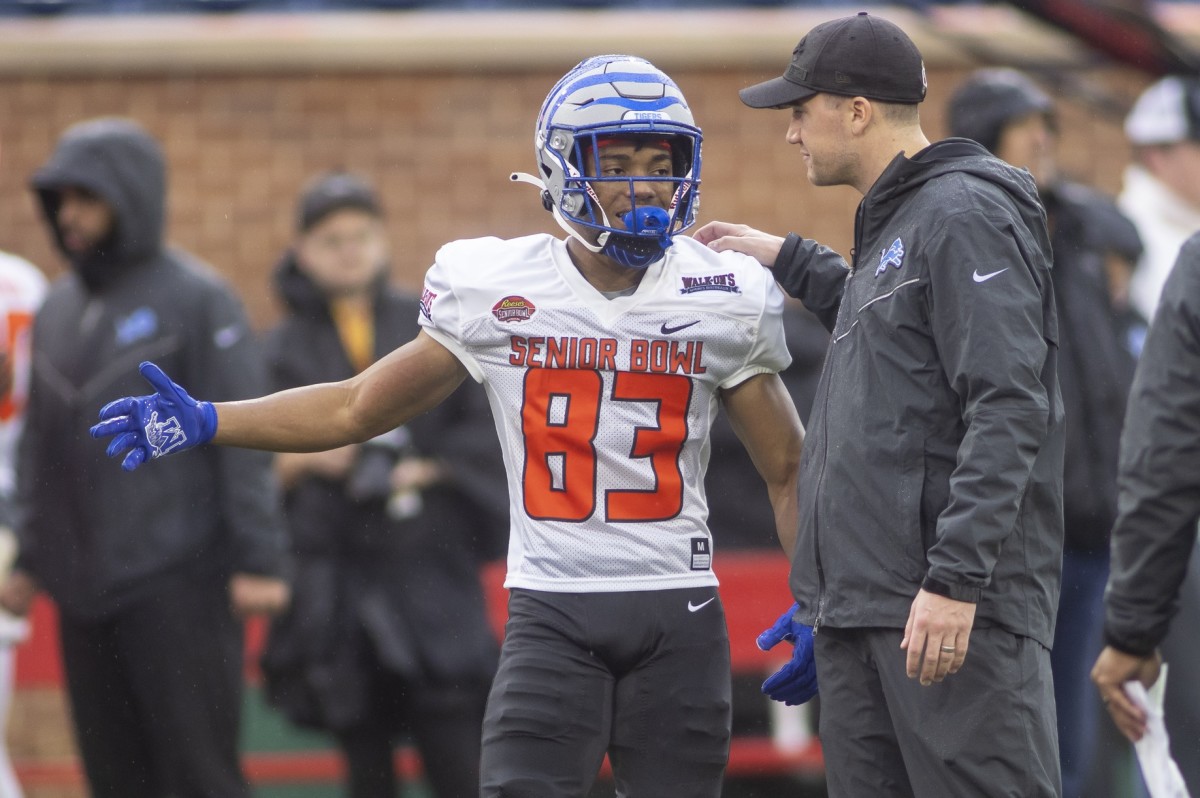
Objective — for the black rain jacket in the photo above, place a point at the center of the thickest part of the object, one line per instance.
(934, 452)
(96, 537)
(1159, 478)
(1095, 364)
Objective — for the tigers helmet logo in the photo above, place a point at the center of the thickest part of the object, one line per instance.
(513, 309)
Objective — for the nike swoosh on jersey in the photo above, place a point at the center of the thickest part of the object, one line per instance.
(693, 607)
(982, 278)
(665, 330)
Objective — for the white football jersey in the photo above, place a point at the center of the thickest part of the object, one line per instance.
(22, 288)
(603, 406)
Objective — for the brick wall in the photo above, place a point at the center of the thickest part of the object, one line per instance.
(439, 146)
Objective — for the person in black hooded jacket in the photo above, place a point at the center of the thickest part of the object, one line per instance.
(1009, 114)
(1159, 478)
(148, 576)
(931, 482)
(387, 632)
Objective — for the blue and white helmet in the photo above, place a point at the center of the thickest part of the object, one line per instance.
(606, 97)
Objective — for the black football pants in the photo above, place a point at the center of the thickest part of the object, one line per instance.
(643, 676)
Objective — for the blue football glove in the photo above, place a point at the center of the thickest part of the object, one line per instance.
(164, 422)
(796, 681)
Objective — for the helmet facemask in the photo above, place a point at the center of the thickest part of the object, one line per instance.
(625, 99)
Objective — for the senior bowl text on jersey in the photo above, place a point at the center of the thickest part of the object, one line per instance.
(607, 354)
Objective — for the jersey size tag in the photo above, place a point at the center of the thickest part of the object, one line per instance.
(701, 554)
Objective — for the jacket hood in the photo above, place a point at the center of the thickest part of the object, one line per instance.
(118, 161)
(954, 155)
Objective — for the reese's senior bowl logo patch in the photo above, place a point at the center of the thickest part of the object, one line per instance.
(513, 308)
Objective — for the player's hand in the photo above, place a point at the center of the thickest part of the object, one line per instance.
(254, 594)
(1112, 670)
(722, 236)
(164, 422)
(796, 681)
(936, 636)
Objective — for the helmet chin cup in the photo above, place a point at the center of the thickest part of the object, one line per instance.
(634, 252)
(648, 236)
(647, 221)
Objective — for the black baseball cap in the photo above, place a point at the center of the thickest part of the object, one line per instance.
(858, 56)
(334, 192)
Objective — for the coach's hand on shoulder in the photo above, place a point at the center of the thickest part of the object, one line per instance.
(796, 681)
(164, 422)
(722, 236)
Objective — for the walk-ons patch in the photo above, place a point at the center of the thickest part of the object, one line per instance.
(691, 284)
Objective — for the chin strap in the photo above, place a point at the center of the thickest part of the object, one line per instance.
(522, 177)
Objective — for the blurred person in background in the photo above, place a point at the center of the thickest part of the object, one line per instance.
(1161, 195)
(1006, 112)
(1155, 535)
(22, 288)
(1161, 191)
(387, 632)
(150, 577)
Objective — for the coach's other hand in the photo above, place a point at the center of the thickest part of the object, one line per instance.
(936, 636)
(796, 681)
(164, 422)
(1113, 669)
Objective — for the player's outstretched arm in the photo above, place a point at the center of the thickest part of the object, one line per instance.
(404, 384)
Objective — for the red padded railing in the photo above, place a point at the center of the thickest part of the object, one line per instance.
(753, 589)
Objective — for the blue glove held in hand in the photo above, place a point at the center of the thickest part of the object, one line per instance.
(165, 422)
(796, 681)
